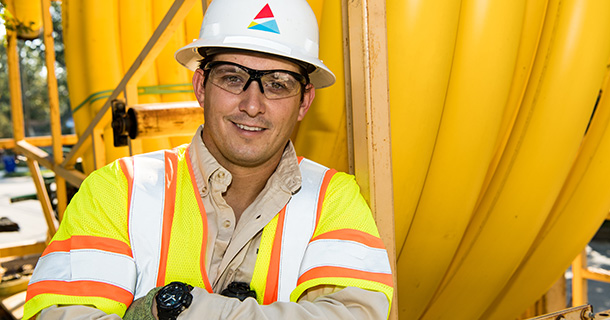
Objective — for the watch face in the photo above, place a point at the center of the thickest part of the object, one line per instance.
(171, 296)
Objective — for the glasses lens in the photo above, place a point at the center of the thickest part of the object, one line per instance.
(276, 84)
(229, 77)
(279, 84)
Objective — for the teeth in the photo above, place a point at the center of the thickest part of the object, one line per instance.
(247, 128)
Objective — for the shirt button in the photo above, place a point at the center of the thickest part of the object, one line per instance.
(221, 175)
(227, 224)
(204, 190)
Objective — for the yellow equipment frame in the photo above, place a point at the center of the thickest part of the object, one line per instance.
(581, 272)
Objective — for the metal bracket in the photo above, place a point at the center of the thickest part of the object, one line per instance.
(584, 312)
(121, 124)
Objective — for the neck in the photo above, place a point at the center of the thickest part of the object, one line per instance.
(247, 181)
(246, 185)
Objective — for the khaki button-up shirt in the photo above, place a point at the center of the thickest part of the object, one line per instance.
(232, 254)
(232, 249)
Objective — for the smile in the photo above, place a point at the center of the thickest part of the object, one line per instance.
(248, 128)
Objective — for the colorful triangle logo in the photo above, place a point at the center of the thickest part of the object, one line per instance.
(265, 21)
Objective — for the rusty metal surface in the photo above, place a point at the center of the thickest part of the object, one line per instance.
(602, 315)
(584, 312)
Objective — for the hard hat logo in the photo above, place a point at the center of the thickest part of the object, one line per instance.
(265, 21)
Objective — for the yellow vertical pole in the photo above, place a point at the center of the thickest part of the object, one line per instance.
(371, 116)
(18, 124)
(58, 158)
(579, 281)
(14, 82)
(99, 150)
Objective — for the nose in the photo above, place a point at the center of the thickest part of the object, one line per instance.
(253, 100)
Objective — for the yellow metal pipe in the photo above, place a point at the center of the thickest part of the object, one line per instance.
(23, 250)
(99, 149)
(49, 44)
(43, 197)
(28, 12)
(164, 120)
(72, 176)
(31, 152)
(14, 81)
(34, 153)
(579, 282)
(40, 141)
(600, 275)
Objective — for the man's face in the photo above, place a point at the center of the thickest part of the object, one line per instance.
(248, 129)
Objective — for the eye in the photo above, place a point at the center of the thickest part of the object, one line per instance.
(277, 85)
(279, 81)
(232, 79)
(228, 75)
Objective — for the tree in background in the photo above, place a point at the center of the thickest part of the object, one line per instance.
(34, 80)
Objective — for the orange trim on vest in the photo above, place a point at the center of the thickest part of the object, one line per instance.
(171, 165)
(325, 182)
(274, 262)
(352, 235)
(89, 242)
(204, 223)
(127, 168)
(339, 272)
(271, 286)
(81, 289)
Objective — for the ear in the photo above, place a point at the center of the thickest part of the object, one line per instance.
(308, 95)
(198, 87)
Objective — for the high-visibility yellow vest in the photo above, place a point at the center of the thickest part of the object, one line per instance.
(119, 247)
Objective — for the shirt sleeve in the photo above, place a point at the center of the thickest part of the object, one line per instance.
(323, 302)
(75, 313)
(89, 252)
(347, 303)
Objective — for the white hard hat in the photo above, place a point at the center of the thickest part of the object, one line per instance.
(286, 28)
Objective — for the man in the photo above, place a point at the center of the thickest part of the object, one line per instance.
(233, 225)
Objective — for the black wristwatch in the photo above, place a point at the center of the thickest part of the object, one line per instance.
(173, 299)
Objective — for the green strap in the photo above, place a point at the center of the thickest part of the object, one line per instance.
(144, 90)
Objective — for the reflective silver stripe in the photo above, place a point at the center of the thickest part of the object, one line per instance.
(146, 218)
(87, 264)
(345, 254)
(299, 225)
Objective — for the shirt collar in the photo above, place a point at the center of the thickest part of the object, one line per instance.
(287, 175)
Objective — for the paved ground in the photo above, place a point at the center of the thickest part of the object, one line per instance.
(28, 214)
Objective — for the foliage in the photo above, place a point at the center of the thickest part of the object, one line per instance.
(10, 23)
(34, 81)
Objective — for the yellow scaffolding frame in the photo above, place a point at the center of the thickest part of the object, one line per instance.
(581, 273)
